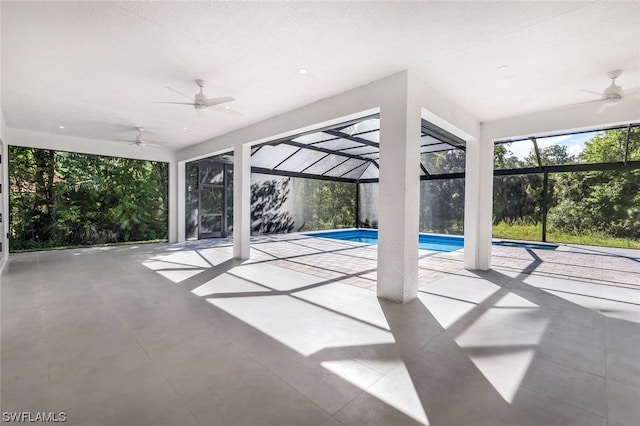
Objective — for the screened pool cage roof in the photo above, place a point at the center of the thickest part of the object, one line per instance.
(349, 152)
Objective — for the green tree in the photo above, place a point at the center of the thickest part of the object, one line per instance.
(62, 198)
(442, 200)
(606, 202)
(519, 198)
(550, 156)
(326, 205)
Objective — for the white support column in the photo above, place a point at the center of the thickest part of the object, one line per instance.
(478, 204)
(4, 200)
(241, 201)
(181, 201)
(173, 207)
(399, 196)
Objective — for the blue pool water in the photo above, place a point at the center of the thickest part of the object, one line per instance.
(425, 241)
(442, 243)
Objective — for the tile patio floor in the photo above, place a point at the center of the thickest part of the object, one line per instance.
(181, 334)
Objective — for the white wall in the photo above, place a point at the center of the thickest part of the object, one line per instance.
(4, 173)
(438, 109)
(354, 103)
(581, 117)
(62, 142)
(4, 198)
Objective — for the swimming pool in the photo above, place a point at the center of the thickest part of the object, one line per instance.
(441, 243)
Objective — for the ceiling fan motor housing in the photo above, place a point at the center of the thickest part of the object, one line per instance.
(199, 101)
(613, 91)
(612, 94)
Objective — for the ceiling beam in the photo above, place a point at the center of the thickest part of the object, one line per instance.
(352, 138)
(336, 166)
(442, 135)
(263, 171)
(325, 150)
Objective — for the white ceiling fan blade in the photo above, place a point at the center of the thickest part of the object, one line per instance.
(179, 93)
(578, 103)
(157, 143)
(592, 92)
(632, 91)
(561, 107)
(217, 101)
(604, 106)
(226, 110)
(176, 103)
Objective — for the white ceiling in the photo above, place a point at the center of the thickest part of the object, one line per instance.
(97, 67)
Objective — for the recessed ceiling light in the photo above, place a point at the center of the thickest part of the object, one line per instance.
(503, 67)
(227, 107)
(60, 127)
(184, 128)
(303, 70)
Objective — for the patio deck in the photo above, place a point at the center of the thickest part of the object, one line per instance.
(166, 334)
(355, 263)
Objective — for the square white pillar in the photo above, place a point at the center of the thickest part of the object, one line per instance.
(181, 191)
(478, 205)
(399, 198)
(4, 199)
(241, 201)
(176, 199)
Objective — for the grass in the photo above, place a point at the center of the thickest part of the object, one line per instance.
(45, 247)
(533, 232)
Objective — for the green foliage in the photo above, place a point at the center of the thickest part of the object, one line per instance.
(521, 196)
(517, 197)
(610, 146)
(518, 229)
(442, 206)
(503, 158)
(67, 199)
(442, 201)
(594, 239)
(597, 207)
(326, 205)
(550, 156)
(607, 202)
(521, 230)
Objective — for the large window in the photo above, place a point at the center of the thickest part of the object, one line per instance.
(62, 199)
(287, 204)
(577, 188)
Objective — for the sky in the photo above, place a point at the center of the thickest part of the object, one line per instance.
(573, 142)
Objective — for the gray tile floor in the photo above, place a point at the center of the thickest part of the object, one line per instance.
(181, 334)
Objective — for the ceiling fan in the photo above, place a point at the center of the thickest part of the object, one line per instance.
(140, 141)
(201, 102)
(612, 94)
